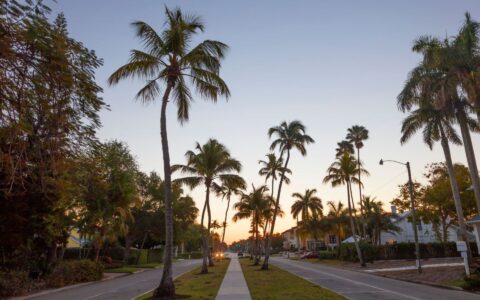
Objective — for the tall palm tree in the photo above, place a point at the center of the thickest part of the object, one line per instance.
(252, 206)
(448, 66)
(268, 216)
(271, 169)
(170, 64)
(338, 217)
(343, 147)
(437, 126)
(377, 220)
(211, 164)
(343, 172)
(357, 135)
(307, 205)
(288, 136)
(226, 191)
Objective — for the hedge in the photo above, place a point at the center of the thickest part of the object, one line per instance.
(192, 255)
(400, 251)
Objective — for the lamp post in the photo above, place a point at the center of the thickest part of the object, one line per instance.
(414, 215)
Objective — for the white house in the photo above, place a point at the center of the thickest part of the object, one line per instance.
(426, 232)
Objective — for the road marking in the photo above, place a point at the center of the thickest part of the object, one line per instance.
(348, 279)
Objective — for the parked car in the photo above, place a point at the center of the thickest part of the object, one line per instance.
(311, 254)
(240, 254)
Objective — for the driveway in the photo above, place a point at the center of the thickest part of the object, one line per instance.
(126, 287)
(358, 285)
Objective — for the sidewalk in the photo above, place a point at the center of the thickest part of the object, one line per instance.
(234, 286)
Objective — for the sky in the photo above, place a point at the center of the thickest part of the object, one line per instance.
(330, 64)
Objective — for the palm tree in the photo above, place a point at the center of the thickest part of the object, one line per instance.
(343, 172)
(437, 126)
(267, 216)
(343, 147)
(289, 136)
(446, 69)
(227, 190)
(210, 164)
(252, 206)
(338, 217)
(357, 135)
(170, 61)
(272, 168)
(307, 205)
(377, 220)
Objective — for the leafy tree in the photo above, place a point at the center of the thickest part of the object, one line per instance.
(170, 61)
(211, 165)
(343, 172)
(109, 193)
(48, 113)
(288, 136)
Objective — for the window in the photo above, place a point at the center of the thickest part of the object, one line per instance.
(332, 239)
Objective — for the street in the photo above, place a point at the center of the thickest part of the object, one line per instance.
(358, 285)
(125, 288)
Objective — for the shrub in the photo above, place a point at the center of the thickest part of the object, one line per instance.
(327, 255)
(155, 255)
(192, 255)
(74, 271)
(13, 283)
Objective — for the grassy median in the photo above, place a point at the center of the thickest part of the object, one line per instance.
(193, 285)
(279, 284)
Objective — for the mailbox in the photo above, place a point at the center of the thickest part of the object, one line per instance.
(461, 246)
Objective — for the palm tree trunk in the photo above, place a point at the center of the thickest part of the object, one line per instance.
(364, 227)
(209, 234)
(265, 230)
(257, 249)
(454, 185)
(166, 287)
(204, 241)
(274, 218)
(355, 219)
(467, 143)
(352, 225)
(225, 222)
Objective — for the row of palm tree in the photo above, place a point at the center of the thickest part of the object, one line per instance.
(442, 91)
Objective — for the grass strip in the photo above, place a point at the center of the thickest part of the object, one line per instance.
(193, 285)
(279, 284)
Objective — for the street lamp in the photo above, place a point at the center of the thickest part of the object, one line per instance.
(414, 217)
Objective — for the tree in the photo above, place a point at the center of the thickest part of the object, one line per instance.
(447, 75)
(170, 61)
(344, 147)
(437, 127)
(307, 205)
(252, 206)
(211, 165)
(109, 193)
(227, 190)
(48, 114)
(288, 136)
(343, 172)
(377, 220)
(337, 216)
(357, 135)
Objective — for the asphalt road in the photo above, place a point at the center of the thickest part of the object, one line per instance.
(125, 288)
(359, 285)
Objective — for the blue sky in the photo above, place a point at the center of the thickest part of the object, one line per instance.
(330, 64)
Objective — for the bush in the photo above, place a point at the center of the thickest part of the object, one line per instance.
(74, 271)
(13, 283)
(155, 255)
(327, 255)
(193, 255)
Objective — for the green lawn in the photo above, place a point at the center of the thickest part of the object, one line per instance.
(196, 285)
(279, 284)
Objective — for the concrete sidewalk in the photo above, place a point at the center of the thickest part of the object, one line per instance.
(234, 286)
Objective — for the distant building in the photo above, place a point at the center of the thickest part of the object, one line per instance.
(292, 240)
